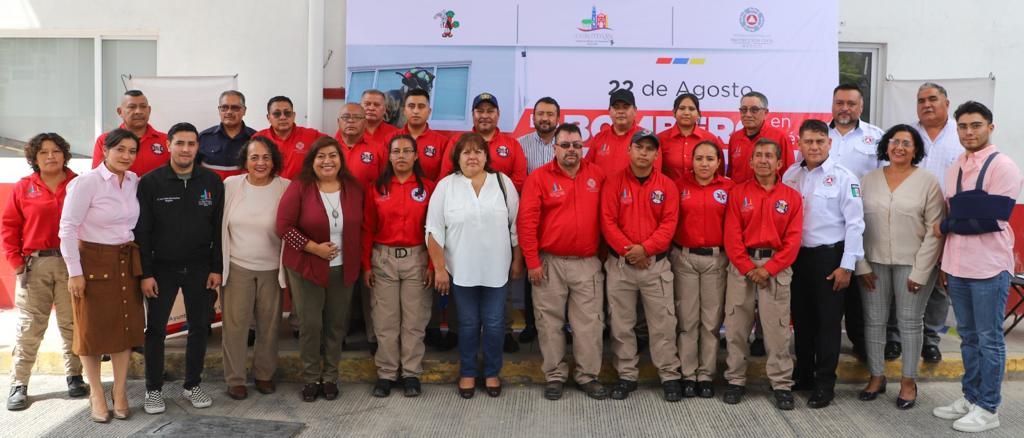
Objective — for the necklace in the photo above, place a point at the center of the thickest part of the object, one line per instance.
(334, 209)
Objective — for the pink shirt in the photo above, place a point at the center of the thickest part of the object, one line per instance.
(97, 209)
(982, 256)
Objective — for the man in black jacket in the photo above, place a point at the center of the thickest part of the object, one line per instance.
(178, 234)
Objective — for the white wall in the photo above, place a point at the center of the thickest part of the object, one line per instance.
(947, 39)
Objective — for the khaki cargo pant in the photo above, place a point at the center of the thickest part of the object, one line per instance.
(43, 287)
(700, 298)
(578, 282)
(250, 299)
(400, 305)
(654, 286)
(773, 304)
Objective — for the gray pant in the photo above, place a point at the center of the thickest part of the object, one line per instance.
(935, 314)
(909, 309)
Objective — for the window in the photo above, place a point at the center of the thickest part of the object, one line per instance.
(123, 58)
(861, 64)
(448, 91)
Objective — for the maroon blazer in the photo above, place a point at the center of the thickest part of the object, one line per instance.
(302, 217)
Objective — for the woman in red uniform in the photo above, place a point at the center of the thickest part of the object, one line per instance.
(699, 264)
(395, 267)
(678, 142)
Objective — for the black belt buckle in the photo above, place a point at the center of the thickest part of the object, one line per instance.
(401, 253)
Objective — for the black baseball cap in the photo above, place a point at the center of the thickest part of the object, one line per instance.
(642, 134)
(485, 98)
(622, 94)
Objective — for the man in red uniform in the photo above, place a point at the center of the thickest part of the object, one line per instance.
(293, 140)
(506, 155)
(364, 160)
(559, 234)
(374, 105)
(753, 109)
(639, 212)
(609, 148)
(431, 145)
(134, 112)
(763, 225)
(677, 142)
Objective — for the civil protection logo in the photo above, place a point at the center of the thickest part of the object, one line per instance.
(448, 22)
(657, 196)
(751, 19)
(721, 196)
(418, 194)
(366, 157)
(597, 21)
(430, 151)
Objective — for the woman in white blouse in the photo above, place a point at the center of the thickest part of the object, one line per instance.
(471, 238)
(902, 203)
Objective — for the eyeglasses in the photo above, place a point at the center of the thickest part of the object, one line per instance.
(567, 145)
(279, 114)
(751, 109)
(402, 152)
(232, 108)
(905, 144)
(351, 118)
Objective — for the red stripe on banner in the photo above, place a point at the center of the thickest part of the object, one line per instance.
(663, 61)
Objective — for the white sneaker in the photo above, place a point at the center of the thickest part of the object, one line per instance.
(978, 420)
(154, 402)
(198, 397)
(954, 411)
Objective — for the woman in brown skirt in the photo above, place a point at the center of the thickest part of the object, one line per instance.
(100, 211)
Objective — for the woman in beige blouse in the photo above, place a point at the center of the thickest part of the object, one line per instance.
(901, 205)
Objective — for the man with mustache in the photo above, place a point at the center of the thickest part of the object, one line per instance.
(293, 140)
(753, 112)
(134, 111)
(505, 152)
(374, 105)
(219, 145)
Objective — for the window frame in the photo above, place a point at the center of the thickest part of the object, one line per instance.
(435, 124)
(877, 75)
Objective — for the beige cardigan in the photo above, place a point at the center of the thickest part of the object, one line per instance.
(233, 190)
(898, 224)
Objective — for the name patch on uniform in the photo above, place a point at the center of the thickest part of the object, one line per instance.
(366, 157)
(626, 197)
(502, 151)
(205, 198)
(591, 185)
(430, 151)
(829, 181)
(157, 148)
(855, 190)
(781, 206)
(721, 196)
(168, 199)
(657, 196)
(419, 195)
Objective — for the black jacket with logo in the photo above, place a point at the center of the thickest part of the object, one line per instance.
(179, 221)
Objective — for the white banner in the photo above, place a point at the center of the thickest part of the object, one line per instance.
(900, 103)
(190, 99)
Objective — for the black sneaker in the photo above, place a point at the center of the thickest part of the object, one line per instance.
(689, 388)
(528, 335)
(757, 348)
(673, 390)
(622, 389)
(511, 346)
(820, 399)
(18, 399)
(784, 399)
(594, 390)
(553, 390)
(77, 387)
(705, 389)
(383, 387)
(412, 387)
(893, 350)
(931, 354)
(733, 394)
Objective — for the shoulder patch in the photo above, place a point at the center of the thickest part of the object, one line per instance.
(855, 190)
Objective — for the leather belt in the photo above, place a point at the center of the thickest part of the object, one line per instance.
(704, 251)
(657, 258)
(53, 252)
(760, 253)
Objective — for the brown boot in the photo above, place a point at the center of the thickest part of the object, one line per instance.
(238, 392)
(265, 386)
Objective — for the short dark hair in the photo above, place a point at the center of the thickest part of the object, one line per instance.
(883, 143)
(549, 101)
(182, 127)
(972, 107)
(416, 92)
(849, 86)
(571, 128)
(275, 154)
(714, 144)
(232, 93)
(134, 93)
(35, 145)
(679, 99)
(465, 141)
(763, 141)
(759, 95)
(389, 170)
(814, 125)
(279, 99)
(117, 136)
(308, 176)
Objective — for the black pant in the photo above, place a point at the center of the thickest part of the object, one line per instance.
(817, 315)
(192, 281)
(528, 313)
(855, 317)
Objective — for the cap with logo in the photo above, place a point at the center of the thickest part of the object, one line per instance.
(485, 98)
(642, 134)
(622, 95)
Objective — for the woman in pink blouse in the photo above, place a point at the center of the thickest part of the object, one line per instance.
(96, 240)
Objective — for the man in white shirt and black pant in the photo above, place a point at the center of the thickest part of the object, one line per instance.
(831, 244)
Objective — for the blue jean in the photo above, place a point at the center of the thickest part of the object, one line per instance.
(480, 307)
(978, 306)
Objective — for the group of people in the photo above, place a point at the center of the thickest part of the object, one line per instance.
(655, 237)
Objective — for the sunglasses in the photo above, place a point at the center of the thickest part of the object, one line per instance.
(567, 145)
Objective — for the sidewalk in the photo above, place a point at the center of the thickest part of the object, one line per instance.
(521, 367)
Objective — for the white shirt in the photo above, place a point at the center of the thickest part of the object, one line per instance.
(332, 203)
(858, 149)
(941, 153)
(474, 230)
(833, 208)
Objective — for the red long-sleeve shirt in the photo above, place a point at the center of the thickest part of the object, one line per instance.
(635, 213)
(702, 212)
(31, 217)
(395, 218)
(741, 150)
(153, 151)
(365, 161)
(759, 218)
(677, 151)
(430, 149)
(506, 156)
(611, 151)
(558, 214)
(384, 131)
(293, 149)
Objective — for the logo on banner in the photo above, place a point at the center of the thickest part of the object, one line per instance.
(595, 31)
(430, 151)
(419, 195)
(157, 148)
(448, 22)
(781, 206)
(205, 198)
(721, 196)
(751, 19)
(597, 21)
(502, 151)
(366, 157)
(657, 196)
